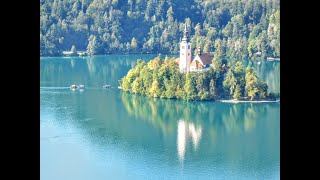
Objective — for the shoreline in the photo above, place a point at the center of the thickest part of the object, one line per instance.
(85, 56)
(112, 54)
(221, 100)
(241, 101)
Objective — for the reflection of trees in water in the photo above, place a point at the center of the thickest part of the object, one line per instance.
(151, 110)
(220, 123)
(91, 66)
(214, 117)
(90, 71)
(249, 119)
(53, 72)
(73, 63)
(232, 119)
(189, 131)
(164, 114)
(98, 70)
(270, 73)
(238, 118)
(228, 129)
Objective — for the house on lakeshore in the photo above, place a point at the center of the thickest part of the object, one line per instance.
(201, 61)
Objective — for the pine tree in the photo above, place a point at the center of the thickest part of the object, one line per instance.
(136, 85)
(230, 82)
(217, 59)
(73, 49)
(134, 45)
(237, 93)
(91, 48)
(155, 89)
(189, 88)
(251, 87)
(212, 89)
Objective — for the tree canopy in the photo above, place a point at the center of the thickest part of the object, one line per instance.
(162, 78)
(237, 29)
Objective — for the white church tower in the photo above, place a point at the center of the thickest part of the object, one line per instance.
(185, 52)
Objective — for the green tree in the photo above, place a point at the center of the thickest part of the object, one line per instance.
(115, 2)
(134, 45)
(155, 89)
(239, 73)
(244, 27)
(161, 78)
(212, 89)
(146, 77)
(125, 84)
(199, 83)
(263, 90)
(237, 93)
(230, 83)
(217, 59)
(251, 87)
(130, 2)
(136, 85)
(190, 91)
(73, 49)
(92, 45)
(170, 89)
(170, 15)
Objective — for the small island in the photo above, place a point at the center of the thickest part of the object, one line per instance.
(206, 77)
(162, 78)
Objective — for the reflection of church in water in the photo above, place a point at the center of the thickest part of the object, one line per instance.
(187, 132)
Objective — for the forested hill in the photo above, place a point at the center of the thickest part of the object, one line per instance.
(237, 28)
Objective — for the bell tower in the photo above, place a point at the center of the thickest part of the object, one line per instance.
(185, 52)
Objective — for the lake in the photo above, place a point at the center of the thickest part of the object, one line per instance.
(108, 134)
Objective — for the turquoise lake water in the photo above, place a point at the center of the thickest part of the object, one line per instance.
(108, 134)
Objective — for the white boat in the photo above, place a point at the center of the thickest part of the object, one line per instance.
(106, 86)
(81, 86)
(273, 59)
(73, 87)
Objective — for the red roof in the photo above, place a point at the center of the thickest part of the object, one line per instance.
(206, 58)
(193, 63)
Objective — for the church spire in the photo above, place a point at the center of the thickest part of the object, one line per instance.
(185, 52)
(185, 35)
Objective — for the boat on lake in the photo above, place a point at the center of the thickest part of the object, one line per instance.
(81, 86)
(106, 86)
(73, 87)
(273, 59)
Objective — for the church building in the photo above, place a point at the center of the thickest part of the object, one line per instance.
(201, 62)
